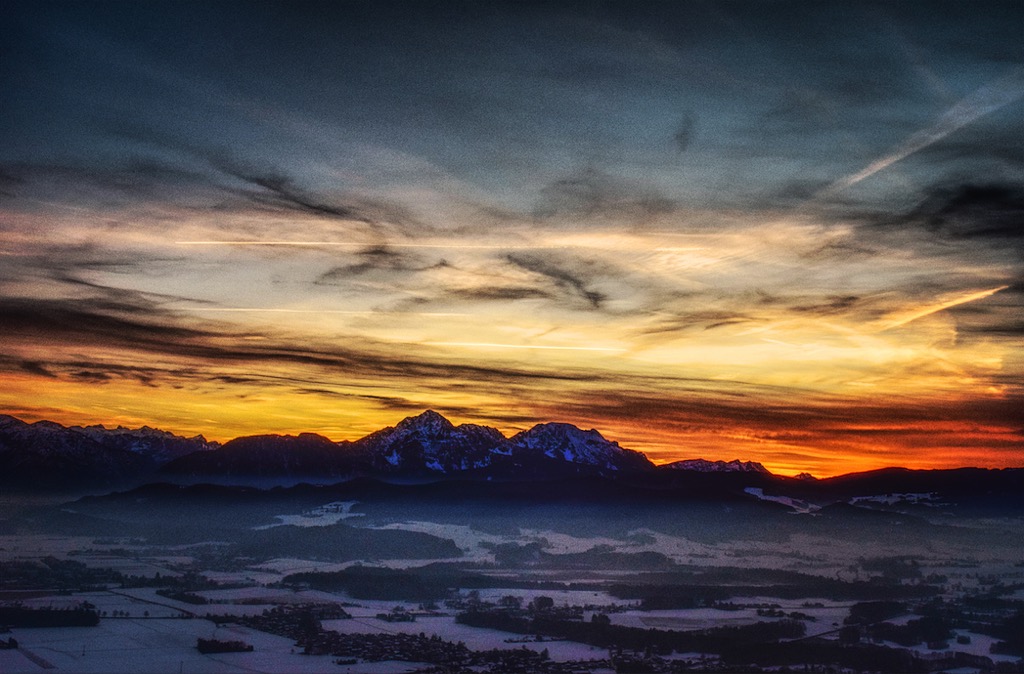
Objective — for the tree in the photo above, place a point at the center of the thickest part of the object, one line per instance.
(849, 635)
(511, 601)
(543, 603)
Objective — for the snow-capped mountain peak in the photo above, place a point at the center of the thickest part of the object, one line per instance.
(430, 443)
(50, 455)
(428, 423)
(704, 466)
(567, 443)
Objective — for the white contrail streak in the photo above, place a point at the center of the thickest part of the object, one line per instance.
(979, 103)
(930, 309)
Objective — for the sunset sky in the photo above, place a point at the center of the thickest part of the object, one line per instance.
(787, 232)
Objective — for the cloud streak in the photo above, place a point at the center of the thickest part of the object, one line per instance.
(561, 275)
(618, 217)
(982, 101)
(929, 309)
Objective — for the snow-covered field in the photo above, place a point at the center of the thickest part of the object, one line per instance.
(154, 645)
(275, 569)
(35, 546)
(325, 515)
(159, 634)
(468, 539)
(980, 644)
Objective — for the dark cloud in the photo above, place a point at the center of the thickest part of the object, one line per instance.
(232, 379)
(97, 324)
(404, 405)
(35, 368)
(594, 193)
(699, 411)
(773, 413)
(90, 376)
(685, 132)
(973, 211)
(279, 191)
(378, 258)
(573, 278)
(834, 304)
(997, 150)
(993, 324)
(263, 185)
(384, 402)
(120, 299)
(71, 368)
(65, 271)
(128, 181)
(9, 181)
(696, 320)
(86, 321)
(276, 191)
(499, 293)
(844, 249)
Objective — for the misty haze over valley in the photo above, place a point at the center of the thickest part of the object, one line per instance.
(431, 547)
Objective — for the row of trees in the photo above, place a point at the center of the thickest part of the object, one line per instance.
(602, 633)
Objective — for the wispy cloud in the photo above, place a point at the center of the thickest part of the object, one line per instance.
(538, 347)
(593, 193)
(608, 216)
(991, 211)
(573, 279)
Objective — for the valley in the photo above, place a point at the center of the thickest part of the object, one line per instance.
(582, 561)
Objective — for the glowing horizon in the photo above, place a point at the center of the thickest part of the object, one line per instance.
(708, 232)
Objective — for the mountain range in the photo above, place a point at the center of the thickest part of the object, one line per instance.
(46, 455)
(423, 448)
(427, 446)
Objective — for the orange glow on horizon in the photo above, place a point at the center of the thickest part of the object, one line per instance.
(222, 415)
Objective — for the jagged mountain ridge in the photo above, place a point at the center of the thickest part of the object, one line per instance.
(565, 443)
(704, 466)
(423, 446)
(429, 442)
(45, 454)
(429, 449)
(270, 456)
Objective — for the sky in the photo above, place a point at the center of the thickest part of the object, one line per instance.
(787, 232)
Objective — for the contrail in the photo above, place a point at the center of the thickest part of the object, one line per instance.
(941, 306)
(981, 102)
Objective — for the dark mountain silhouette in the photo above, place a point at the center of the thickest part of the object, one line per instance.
(430, 449)
(562, 449)
(423, 447)
(305, 456)
(429, 443)
(47, 455)
(703, 466)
